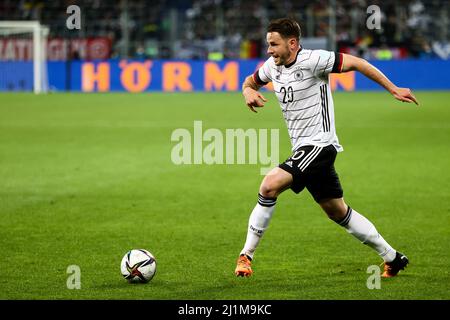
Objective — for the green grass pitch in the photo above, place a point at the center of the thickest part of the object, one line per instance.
(86, 177)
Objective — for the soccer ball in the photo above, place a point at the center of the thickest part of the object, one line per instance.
(138, 265)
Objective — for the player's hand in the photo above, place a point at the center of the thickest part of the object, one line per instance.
(254, 99)
(404, 95)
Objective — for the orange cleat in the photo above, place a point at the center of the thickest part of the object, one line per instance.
(244, 266)
(391, 269)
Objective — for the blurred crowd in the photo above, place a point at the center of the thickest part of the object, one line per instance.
(218, 29)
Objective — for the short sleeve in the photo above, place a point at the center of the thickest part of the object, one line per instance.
(324, 62)
(262, 76)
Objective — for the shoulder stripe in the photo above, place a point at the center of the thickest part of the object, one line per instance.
(337, 66)
(257, 79)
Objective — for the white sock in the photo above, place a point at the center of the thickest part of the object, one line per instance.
(365, 231)
(258, 223)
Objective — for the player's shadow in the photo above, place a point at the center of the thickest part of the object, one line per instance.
(123, 284)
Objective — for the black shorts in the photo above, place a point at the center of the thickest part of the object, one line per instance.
(313, 167)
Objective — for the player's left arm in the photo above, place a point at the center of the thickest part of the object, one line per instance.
(352, 63)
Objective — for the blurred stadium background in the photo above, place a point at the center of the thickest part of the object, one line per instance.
(86, 177)
(196, 29)
(215, 30)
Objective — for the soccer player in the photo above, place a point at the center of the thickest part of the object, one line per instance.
(300, 80)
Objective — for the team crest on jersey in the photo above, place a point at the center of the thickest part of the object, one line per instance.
(298, 74)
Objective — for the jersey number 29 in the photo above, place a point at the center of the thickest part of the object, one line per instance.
(288, 95)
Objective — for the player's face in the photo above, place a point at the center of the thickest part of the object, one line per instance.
(278, 48)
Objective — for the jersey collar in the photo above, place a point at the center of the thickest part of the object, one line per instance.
(295, 60)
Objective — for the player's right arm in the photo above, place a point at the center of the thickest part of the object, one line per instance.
(256, 81)
(351, 63)
(253, 98)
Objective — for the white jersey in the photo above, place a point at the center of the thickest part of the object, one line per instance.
(305, 97)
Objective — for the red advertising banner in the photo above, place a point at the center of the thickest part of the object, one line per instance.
(58, 49)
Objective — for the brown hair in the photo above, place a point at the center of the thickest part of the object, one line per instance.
(286, 27)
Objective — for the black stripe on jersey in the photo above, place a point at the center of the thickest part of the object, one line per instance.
(258, 79)
(337, 66)
(323, 109)
(327, 109)
(322, 100)
(325, 114)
